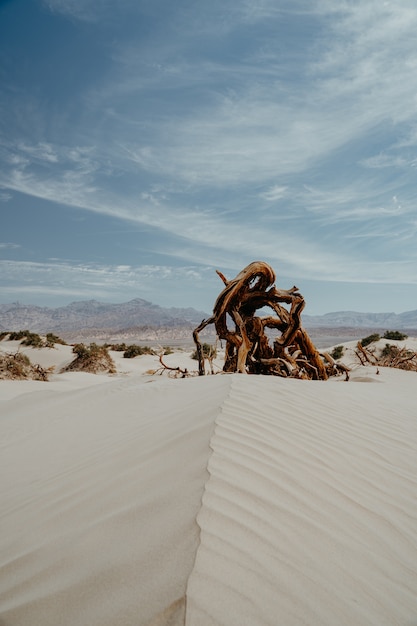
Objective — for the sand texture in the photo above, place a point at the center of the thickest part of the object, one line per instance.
(225, 500)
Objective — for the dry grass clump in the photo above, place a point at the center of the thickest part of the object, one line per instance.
(390, 356)
(393, 356)
(18, 367)
(93, 359)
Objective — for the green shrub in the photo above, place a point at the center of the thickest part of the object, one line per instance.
(34, 340)
(389, 351)
(208, 352)
(116, 347)
(370, 339)
(337, 352)
(19, 334)
(28, 338)
(82, 351)
(132, 351)
(135, 350)
(52, 339)
(394, 334)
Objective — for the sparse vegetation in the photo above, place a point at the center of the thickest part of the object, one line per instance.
(52, 339)
(34, 340)
(389, 351)
(18, 335)
(370, 339)
(116, 347)
(18, 367)
(134, 350)
(130, 351)
(209, 352)
(394, 334)
(390, 356)
(401, 358)
(93, 359)
(337, 352)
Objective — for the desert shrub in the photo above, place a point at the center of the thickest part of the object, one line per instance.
(132, 351)
(18, 367)
(116, 347)
(393, 356)
(3, 335)
(19, 334)
(370, 339)
(167, 350)
(34, 340)
(389, 351)
(52, 339)
(135, 350)
(337, 352)
(93, 359)
(394, 334)
(208, 352)
(28, 338)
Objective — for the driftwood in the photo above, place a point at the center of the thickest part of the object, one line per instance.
(174, 372)
(248, 346)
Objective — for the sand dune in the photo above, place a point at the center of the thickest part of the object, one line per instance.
(207, 501)
(309, 515)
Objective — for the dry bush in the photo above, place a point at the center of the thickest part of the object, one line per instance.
(18, 367)
(93, 359)
(390, 356)
(393, 356)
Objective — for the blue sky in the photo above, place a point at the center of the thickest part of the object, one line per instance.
(145, 143)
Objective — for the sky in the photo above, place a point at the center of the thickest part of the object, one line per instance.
(146, 143)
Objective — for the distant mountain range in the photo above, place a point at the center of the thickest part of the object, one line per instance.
(353, 319)
(91, 314)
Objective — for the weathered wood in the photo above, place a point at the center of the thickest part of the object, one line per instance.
(249, 348)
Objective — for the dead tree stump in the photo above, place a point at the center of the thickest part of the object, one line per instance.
(249, 348)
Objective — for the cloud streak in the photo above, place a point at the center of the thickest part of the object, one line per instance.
(232, 131)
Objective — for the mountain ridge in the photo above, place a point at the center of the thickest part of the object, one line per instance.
(356, 319)
(92, 314)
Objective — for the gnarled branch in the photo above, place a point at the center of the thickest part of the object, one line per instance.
(248, 346)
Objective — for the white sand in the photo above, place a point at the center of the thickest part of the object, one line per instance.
(231, 499)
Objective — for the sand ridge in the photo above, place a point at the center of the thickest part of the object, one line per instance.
(309, 513)
(100, 491)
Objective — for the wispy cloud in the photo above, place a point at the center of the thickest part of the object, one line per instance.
(8, 246)
(252, 127)
(56, 173)
(273, 193)
(241, 130)
(84, 10)
(39, 152)
(81, 280)
(381, 161)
